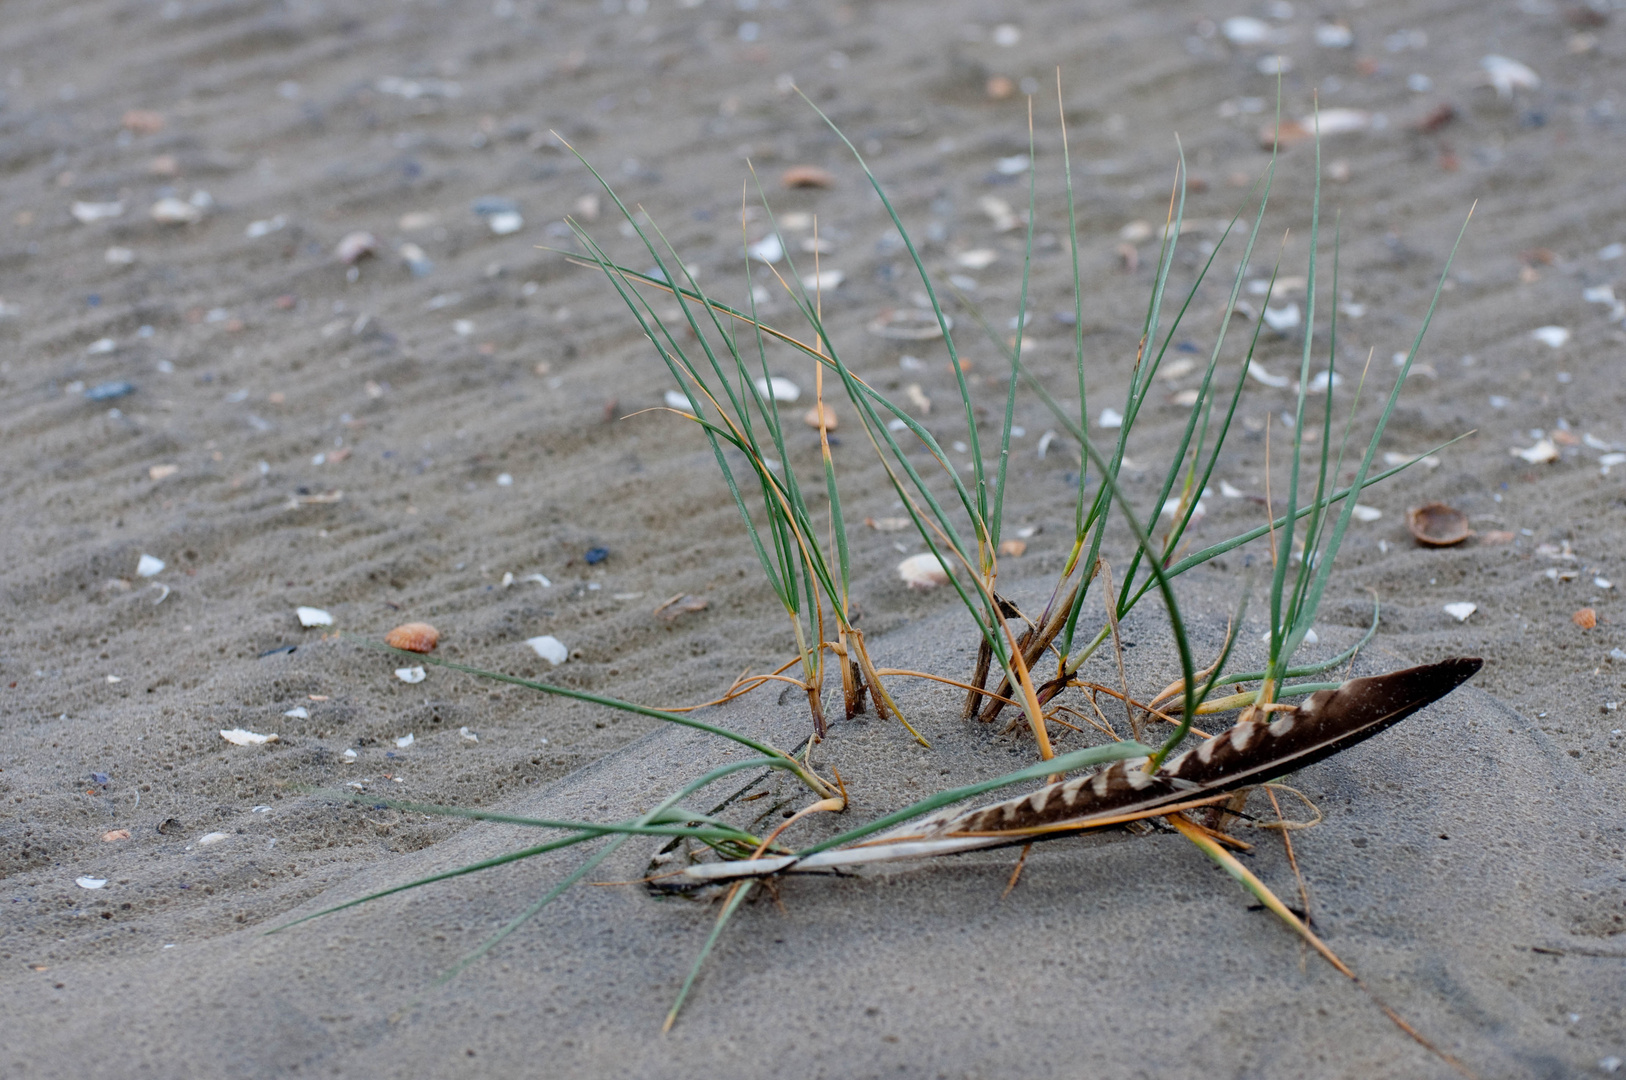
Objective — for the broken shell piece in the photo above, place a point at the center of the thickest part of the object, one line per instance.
(824, 279)
(355, 247)
(1437, 525)
(1365, 513)
(506, 222)
(413, 637)
(908, 324)
(807, 176)
(405, 741)
(466, 735)
(173, 211)
(239, 737)
(549, 648)
(822, 418)
(349, 757)
(1282, 319)
(298, 712)
(1586, 618)
(115, 835)
(87, 213)
(780, 389)
(1014, 548)
(1460, 611)
(1508, 75)
(977, 258)
(1111, 418)
(312, 616)
(680, 605)
(888, 524)
(410, 674)
(212, 838)
(1257, 372)
(1552, 336)
(1542, 453)
(923, 571)
(770, 249)
(149, 565)
(88, 882)
(162, 472)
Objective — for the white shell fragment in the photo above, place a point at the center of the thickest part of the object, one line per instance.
(977, 258)
(1334, 36)
(506, 222)
(466, 735)
(1111, 418)
(349, 757)
(1246, 30)
(780, 389)
(923, 571)
(212, 838)
(1282, 319)
(770, 249)
(1461, 610)
(149, 565)
(88, 882)
(1365, 513)
(405, 741)
(265, 227)
(549, 648)
(1552, 336)
(676, 399)
(1542, 453)
(1257, 372)
(824, 279)
(298, 712)
(540, 580)
(87, 213)
(240, 737)
(1337, 121)
(173, 211)
(410, 674)
(1508, 75)
(313, 616)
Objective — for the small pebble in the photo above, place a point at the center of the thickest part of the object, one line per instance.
(807, 176)
(821, 417)
(595, 555)
(1014, 548)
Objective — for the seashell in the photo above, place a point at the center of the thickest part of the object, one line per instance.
(410, 675)
(356, 246)
(1586, 618)
(770, 249)
(1110, 418)
(680, 605)
(1437, 525)
(1508, 75)
(212, 838)
(413, 637)
(505, 223)
(240, 737)
(298, 712)
(173, 211)
(807, 176)
(148, 565)
(824, 279)
(977, 258)
(780, 389)
(1461, 610)
(549, 648)
(88, 882)
(87, 213)
(115, 835)
(1365, 513)
(908, 324)
(405, 741)
(1554, 337)
(1337, 121)
(822, 418)
(1543, 453)
(1014, 548)
(312, 616)
(1246, 30)
(923, 571)
(466, 735)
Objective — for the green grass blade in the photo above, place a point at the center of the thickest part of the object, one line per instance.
(736, 897)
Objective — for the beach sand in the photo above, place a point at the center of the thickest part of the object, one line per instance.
(295, 434)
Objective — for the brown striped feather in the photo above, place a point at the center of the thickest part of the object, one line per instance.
(1251, 752)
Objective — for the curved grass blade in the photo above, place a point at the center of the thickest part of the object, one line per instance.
(736, 897)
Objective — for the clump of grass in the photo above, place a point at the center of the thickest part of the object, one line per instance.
(717, 355)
